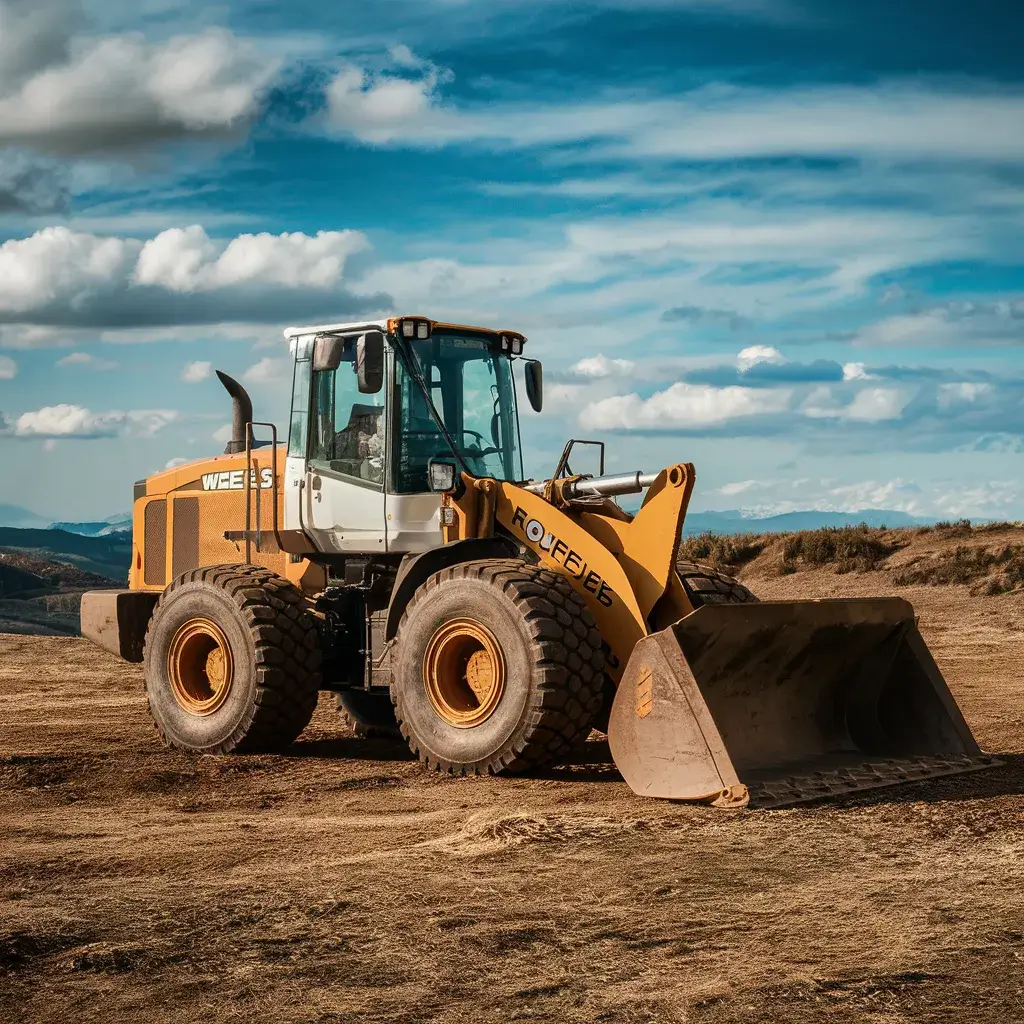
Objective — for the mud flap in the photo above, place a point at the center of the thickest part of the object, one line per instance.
(777, 703)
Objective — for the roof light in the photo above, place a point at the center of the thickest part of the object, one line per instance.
(517, 346)
(422, 329)
(408, 328)
(505, 343)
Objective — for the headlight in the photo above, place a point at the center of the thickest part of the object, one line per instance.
(408, 328)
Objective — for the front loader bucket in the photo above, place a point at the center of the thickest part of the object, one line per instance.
(780, 702)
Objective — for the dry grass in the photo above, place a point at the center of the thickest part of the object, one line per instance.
(986, 570)
(848, 548)
(728, 553)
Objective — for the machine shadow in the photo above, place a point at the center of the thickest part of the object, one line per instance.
(351, 748)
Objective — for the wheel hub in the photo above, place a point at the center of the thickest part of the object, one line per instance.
(200, 667)
(464, 673)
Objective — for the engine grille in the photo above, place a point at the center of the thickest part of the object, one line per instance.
(155, 541)
(185, 543)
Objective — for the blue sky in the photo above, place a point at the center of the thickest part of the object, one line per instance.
(778, 238)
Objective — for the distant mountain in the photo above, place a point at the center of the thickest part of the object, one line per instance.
(108, 556)
(115, 524)
(20, 518)
(735, 521)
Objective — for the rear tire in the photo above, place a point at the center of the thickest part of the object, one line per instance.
(705, 585)
(232, 661)
(498, 669)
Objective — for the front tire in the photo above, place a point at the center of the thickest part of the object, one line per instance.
(498, 669)
(232, 661)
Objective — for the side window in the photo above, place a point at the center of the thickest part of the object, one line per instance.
(300, 410)
(348, 427)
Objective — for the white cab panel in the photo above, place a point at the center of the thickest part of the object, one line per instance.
(342, 516)
(413, 522)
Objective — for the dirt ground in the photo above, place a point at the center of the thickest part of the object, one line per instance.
(341, 883)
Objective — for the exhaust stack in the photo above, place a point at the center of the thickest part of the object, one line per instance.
(241, 413)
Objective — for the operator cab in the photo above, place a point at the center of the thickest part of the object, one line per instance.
(374, 404)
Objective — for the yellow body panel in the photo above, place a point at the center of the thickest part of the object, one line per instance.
(624, 569)
(180, 521)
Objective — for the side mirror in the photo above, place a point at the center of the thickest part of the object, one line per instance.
(441, 475)
(370, 362)
(327, 352)
(535, 384)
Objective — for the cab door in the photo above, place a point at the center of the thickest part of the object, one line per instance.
(343, 496)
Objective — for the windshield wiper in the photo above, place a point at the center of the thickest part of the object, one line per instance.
(413, 366)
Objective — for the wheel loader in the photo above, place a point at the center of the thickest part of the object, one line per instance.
(392, 550)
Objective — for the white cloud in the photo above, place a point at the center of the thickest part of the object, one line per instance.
(268, 370)
(600, 366)
(86, 360)
(965, 392)
(381, 108)
(223, 434)
(76, 421)
(856, 371)
(755, 354)
(8, 368)
(683, 406)
(738, 487)
(59, 265)
(821, 404)
(116, 92)
(197, 372)
(61, 277)
(174, 463)
(187, 260)
(871, 405)
(889, 120)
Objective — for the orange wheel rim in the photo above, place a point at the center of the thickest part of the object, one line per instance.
(200, 667)
(464, 673)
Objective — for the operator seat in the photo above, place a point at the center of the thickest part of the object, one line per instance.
(359, 447)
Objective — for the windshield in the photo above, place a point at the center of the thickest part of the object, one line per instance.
(471, 388)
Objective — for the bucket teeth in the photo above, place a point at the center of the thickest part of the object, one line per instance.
(798, 789)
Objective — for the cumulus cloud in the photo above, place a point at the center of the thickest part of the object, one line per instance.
(188, 260)
(59, 277)
(682, 406)
(873, 404)
(87, 360)
(750, 357)
(961, 392)
(379, 107)
(856, 371)
(118, 92)
(868, 405)
(197, 372)
(267, 370)
(75, 421)
(601, 366)
(8, 368)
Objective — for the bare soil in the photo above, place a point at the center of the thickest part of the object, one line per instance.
(342, 883)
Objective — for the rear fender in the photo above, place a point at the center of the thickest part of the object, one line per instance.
(415, 570)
